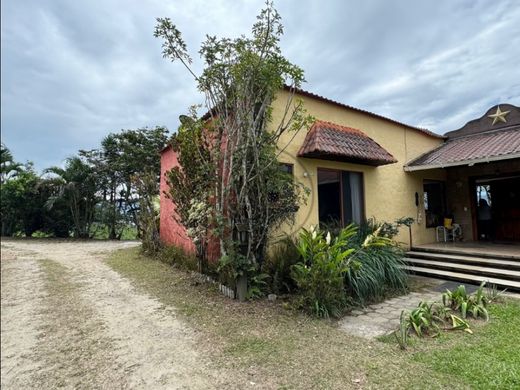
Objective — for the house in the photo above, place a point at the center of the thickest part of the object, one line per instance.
(358, 164)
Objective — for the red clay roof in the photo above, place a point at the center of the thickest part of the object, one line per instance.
(495, 145)
(330, 141)
(327, 100)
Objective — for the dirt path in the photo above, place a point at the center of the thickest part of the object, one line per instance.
(68, 320)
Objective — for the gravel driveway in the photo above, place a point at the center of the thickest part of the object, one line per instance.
(70, 321)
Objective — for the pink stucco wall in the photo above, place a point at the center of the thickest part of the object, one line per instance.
(172, 233)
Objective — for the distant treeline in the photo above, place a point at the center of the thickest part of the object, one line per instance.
(94, 195)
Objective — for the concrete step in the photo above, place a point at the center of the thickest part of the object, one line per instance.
(462, 259)
(443, 274)
(470, 252)
(465, 268)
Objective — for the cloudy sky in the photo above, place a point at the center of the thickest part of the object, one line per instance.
(73, 71)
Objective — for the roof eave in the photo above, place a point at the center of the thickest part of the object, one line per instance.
(346, 159)
(412, 168)
(339, 104)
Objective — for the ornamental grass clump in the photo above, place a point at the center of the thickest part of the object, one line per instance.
(380, 263)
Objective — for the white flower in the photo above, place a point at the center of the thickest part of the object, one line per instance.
(328, 238)
(376, 233)
(368, 240)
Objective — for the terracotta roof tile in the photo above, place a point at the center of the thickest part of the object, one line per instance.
(487, 146)
(330, 141)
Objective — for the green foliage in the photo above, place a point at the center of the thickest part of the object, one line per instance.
(380, 271)
(401, 335)
(123, 155)
(424, 319)
(174, 255)
(489, 359)
(40, 234)
(231, 266)
(76, 186)
(229, 167)
(381, 263)
(257, 285)
(8, 167)
(493, 294)
(148, 216)
(280, 259)
(458, 323)
(460, 300)
(428, 319)
(320, 276)
(93, 190)
(22, 201)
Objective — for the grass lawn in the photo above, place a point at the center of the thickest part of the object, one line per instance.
(280, 348)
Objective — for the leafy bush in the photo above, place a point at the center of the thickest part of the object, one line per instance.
(40, 234)
(424, 319)
(460, 300)
(428, 319)
(401, 335)
(320, 276)
(381, 262)
(257, 285)
(175, 255)
(282, 257)
(493, 294)
(380, 270)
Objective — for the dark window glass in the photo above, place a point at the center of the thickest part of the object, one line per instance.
(341, 198)
(434, 203)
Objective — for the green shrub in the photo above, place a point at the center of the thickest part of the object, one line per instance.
(175, 255)
(401, 335)
(460, 300)
(380, 271)
(381, 262)
(321, 274)
(428, 319)
(40, 234)
(282, 256)
(424, 319)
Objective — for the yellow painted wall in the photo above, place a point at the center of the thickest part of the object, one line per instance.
(389, 191)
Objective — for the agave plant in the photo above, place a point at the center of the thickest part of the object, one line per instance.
(493, 293)
(424, 319)
(458, 323)
(460, 300)
(401, 335)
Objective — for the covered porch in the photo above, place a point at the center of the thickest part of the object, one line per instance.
(481, 194)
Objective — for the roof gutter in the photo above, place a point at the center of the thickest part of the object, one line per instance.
(412, 168)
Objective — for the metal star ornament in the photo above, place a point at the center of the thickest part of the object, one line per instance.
(499, 116)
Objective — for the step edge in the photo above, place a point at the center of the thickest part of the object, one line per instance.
(503, 282)
(500, 271)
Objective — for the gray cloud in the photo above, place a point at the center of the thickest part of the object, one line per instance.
(74, 71)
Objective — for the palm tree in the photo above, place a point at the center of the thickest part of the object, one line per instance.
(8, 167)
(77, 185)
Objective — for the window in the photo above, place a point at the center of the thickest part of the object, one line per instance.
(340, 197)
(434, 203)
(275, 195)
(287, 168)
